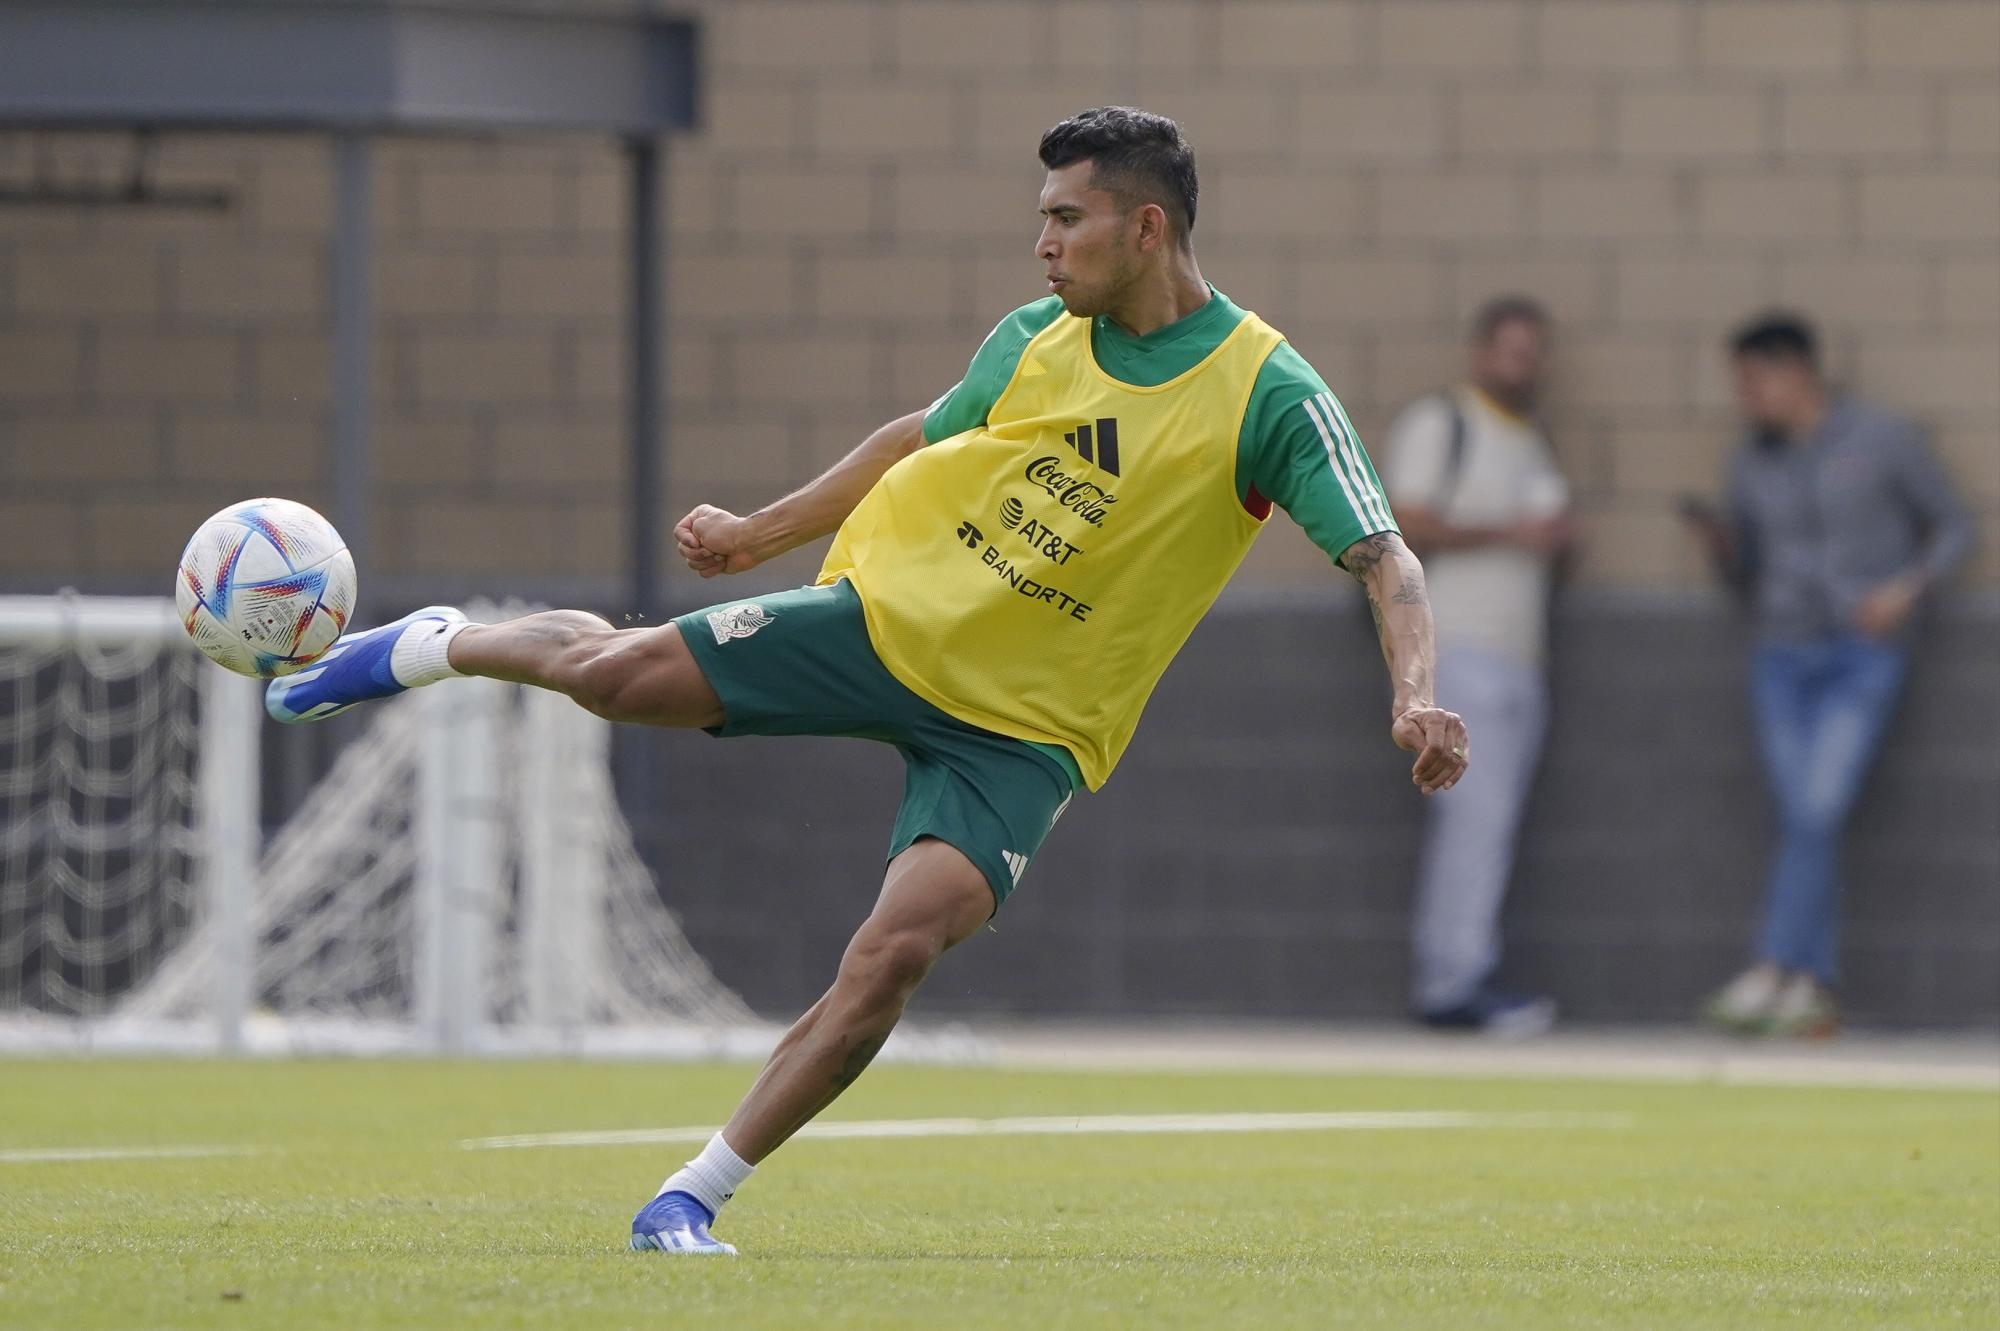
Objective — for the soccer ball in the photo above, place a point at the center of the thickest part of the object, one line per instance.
(265, 586)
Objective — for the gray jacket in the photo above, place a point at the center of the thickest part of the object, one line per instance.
(1821, 522)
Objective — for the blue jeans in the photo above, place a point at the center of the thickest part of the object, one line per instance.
(1822, 708)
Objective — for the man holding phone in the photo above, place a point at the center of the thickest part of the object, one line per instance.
(1838, 522)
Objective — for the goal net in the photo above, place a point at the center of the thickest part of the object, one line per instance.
(100, 842)
(460, 880)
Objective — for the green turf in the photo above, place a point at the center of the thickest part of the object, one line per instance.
(1710, 1206)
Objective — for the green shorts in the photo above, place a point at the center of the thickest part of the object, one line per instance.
(801, 663)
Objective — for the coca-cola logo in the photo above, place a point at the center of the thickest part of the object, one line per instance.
(1088, 501)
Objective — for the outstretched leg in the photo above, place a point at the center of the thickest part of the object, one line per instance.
(932, 898)
(645, 675)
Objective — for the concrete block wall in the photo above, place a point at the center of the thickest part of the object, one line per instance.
(157, 364)
(858, 211)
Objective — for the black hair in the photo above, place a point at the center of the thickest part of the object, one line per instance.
(1505, 310)
(1777, 335)
(1135, 155)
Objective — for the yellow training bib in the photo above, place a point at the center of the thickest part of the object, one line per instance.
(1035, 576)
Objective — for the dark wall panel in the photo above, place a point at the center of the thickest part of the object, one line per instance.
(1254, 852)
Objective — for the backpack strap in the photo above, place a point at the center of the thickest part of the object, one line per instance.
(1454, 458)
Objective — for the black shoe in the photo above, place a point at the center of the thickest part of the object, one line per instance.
(1504, 1016)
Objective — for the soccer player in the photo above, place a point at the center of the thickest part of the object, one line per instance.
(1013, 569)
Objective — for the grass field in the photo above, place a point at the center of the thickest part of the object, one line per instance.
(1682, 1206)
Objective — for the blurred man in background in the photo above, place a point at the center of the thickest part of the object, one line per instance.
(1476, 490)
(1839, 521)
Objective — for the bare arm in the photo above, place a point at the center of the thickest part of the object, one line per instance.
(713, 540)
(1394, 583)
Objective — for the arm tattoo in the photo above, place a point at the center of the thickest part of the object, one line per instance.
(1392, 580)
(1369, 551)
(1363, 557)
(858, 1060)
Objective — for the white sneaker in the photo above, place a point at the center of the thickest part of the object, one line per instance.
(1744, 1005)
(1804, 1010)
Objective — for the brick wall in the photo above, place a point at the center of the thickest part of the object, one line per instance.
(156, 364)
(859, 210)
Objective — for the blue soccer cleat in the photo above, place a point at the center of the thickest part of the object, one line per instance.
(676, 1222)
(357, 668)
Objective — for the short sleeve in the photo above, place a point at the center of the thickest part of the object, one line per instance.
(965, 405)
(1301, 452)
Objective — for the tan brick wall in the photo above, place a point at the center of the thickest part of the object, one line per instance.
(859, 210)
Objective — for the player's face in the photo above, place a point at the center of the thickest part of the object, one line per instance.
(1509, 364)
(1088, 246)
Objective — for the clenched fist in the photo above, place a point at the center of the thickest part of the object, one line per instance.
(713, 540)
(1438, 739)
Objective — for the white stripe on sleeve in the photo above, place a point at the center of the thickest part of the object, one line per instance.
(1350, 449)
(1355, 502)
(1339, 474)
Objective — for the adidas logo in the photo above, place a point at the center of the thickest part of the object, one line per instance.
(1016, 865)
(1097, 443)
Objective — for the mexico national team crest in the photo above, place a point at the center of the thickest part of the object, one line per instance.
(737, 621)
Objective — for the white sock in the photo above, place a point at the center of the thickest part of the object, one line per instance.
(420, 655)
(712, 1177)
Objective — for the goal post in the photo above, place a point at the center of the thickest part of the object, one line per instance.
(227, 783)
(461, 832)
(557, 872)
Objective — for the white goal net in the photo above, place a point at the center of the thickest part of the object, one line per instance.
(460, 880)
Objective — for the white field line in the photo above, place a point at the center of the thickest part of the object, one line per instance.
(1351, 1121)
(72, 1153)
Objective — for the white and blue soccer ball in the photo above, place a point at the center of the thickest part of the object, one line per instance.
(265, 586)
